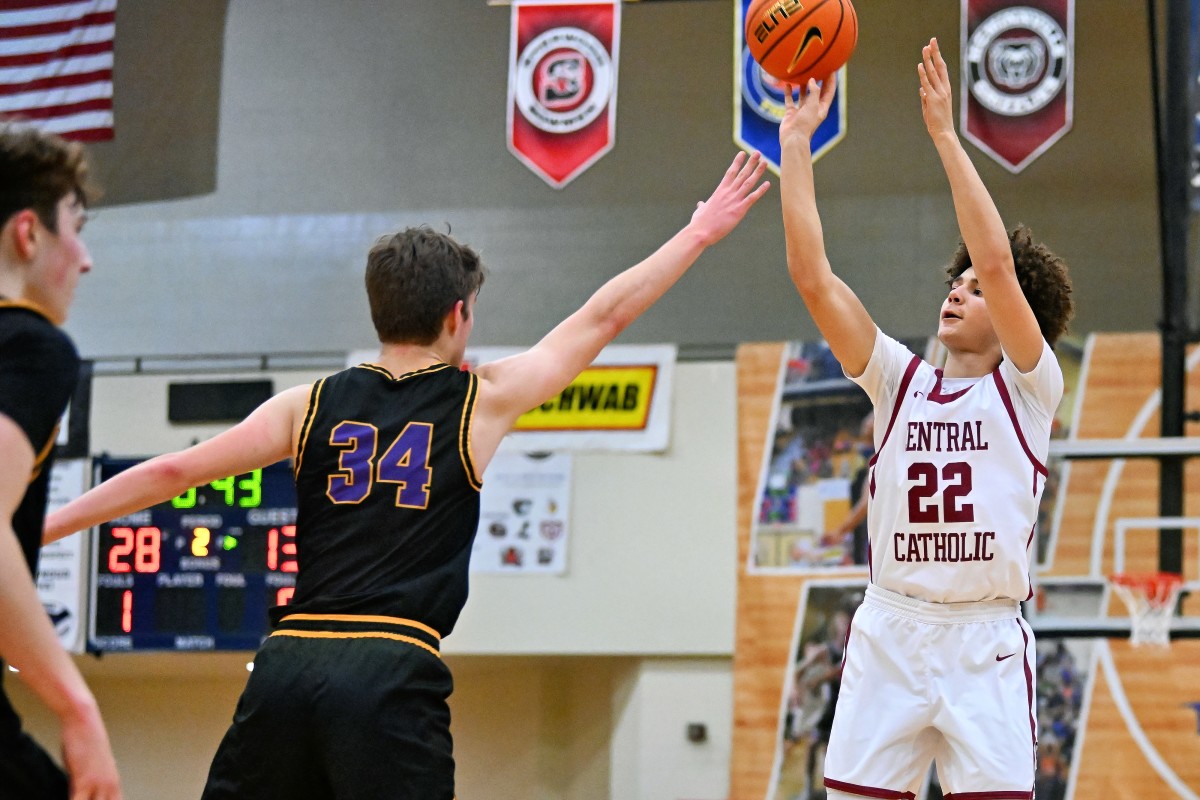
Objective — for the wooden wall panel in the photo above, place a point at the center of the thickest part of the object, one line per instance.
(1122, 377)
(1159, 685)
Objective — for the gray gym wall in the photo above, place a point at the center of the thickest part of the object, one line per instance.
(286, 136)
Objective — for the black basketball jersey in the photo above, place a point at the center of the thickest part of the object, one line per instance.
(387, 495)
(39, 369)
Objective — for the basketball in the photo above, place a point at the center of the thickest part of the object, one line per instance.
(794, 41)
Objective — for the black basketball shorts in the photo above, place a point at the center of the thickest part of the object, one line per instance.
(340, 706)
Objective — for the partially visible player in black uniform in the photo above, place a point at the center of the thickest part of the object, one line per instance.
(348, 693)
(42, 210)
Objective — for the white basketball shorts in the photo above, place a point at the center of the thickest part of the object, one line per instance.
(949, 682)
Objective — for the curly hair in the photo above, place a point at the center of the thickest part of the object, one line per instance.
(1043, 278)
(414, 277)
(37, 170)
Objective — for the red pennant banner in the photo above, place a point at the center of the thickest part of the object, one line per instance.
(1018, 64)
(562, 85)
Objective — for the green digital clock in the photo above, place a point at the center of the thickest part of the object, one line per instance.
(199, 571)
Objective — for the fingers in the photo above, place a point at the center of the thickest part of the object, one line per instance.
(803, 93)
(926, 67)
(938, 62)
(828, 90)
(735, 167)
(741, 176)
(935, 76)
(760, 191)
(751, 171)
(742, 165)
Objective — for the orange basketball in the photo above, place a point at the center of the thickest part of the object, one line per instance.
(794, 40)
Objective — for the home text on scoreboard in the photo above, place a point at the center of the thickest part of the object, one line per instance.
(197, 572)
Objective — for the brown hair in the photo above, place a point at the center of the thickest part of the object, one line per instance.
(1043, 278)
(414, 278)
(37, 170)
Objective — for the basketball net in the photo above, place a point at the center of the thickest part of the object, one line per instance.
(1151, 600)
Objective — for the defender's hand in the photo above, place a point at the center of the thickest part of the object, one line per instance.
(739, 189)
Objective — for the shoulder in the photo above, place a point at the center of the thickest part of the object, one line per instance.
(1043, 384)
(890, 359)
(36, 349)
(891, 355)
(25, 330)
(1047, 366)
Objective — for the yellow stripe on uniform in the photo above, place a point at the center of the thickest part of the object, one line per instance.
(382, 370)
(464, 434)
(40, 460)
(314, 398)
(377, 368)
(34, 307)
(412, 623)
(358, 635)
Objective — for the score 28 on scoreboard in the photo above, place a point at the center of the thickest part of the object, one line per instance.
(199, 571)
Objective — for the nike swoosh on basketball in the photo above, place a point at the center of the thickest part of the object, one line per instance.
(812, 33)
(1001, 658)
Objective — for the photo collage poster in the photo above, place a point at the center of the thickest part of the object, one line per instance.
(814, 473)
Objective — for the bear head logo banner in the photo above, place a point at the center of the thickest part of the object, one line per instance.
(1017, 76)
(562, 85)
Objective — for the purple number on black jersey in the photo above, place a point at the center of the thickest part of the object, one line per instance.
(352, 482)
(406, 463)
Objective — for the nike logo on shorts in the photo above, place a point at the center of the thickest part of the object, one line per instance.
(1001, 658)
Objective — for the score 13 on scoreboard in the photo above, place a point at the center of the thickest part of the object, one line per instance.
(199, 571)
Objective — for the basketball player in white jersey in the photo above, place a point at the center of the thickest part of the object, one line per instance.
(939, 665)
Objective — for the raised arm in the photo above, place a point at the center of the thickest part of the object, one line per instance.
(266, 436)
(979, 221)
(28, 641)
(837, 311)
(512, 386)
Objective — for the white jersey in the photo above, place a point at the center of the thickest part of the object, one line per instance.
(957, 474)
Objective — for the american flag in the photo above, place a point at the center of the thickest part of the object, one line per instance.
(56, 61)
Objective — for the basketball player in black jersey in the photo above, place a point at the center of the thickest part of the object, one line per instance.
(348, 693)
(42, 210)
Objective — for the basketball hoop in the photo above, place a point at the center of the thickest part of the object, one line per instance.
(1151, 599)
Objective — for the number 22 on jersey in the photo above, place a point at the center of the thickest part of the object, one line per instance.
(404, 463)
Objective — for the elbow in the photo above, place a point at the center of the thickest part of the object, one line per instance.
(608, 323)
(610, 328)
(167, 471)
(810, 283)
(808, 288)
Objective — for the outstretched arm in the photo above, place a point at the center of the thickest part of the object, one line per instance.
(511, 386)
(28, 641)
(264, 437)
(979, 222)
(837, 311)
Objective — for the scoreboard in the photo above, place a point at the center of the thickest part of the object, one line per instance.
(199, 571)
